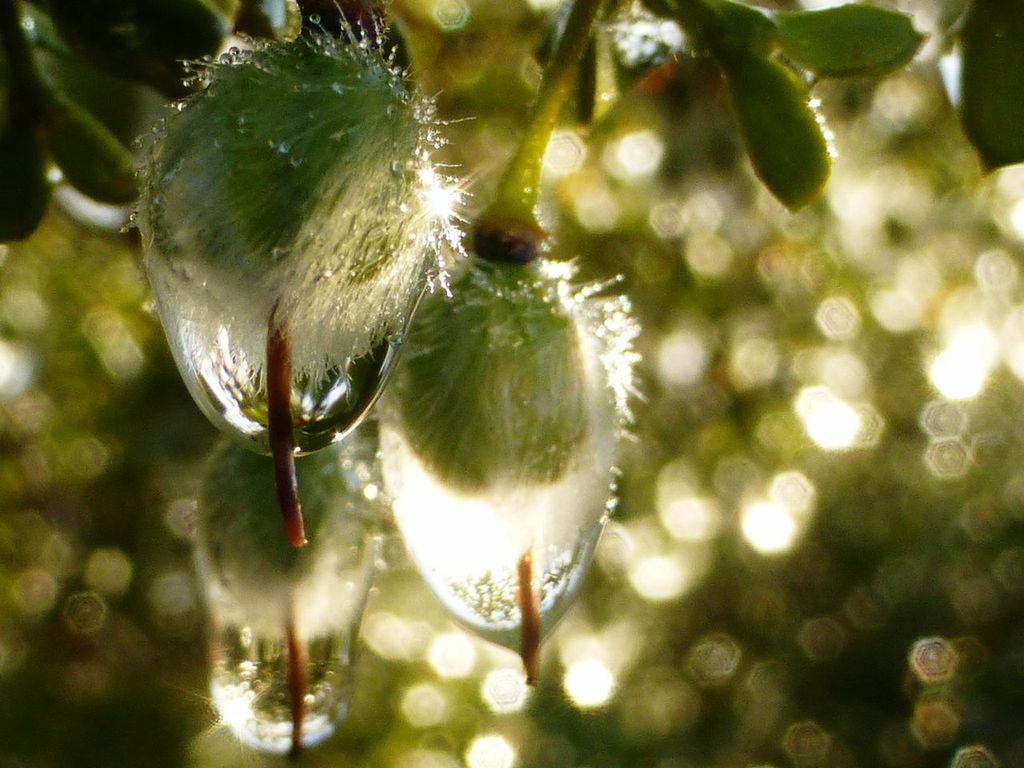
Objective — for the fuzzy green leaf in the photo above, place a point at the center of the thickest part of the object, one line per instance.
(992, 80)
(91, 159)
(491, 385)
(848, 41)
(780, 130)
(24, 191)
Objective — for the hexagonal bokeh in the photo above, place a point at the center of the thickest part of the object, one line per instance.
(933, 660)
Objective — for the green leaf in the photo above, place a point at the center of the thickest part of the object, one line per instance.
(780, 130)
(992, 80)
(747, 29)
(91, 158)
(24, 191)
(142, 39)
(848, 41)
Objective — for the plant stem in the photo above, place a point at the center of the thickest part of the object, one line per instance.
(298, 658)
(517, 192)
(529, 619)
(28, 93)
(279, 427)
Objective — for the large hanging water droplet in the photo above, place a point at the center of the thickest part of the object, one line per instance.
(317, 241)
(498, 442)
(251, 691)
(325, 404)
(283, 620)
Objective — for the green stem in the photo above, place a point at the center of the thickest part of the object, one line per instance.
(27, 90)
(517, 192)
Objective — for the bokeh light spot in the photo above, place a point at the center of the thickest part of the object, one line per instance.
(452, 655)
(838, 318)
(959, 371)
(831, 422)
(451, 15)
(565, 154)
(85, 612)
(504, 690)
(490, 751)
(974, 756)
(658, 578)
(108, 570)
(713, 660)
(942, 418)
(807, 743)
(423, 705)
(935, 722)
(589, 683)
(634, 155)
(682, 358)
(933, 660)
(768, 527)
(753, 362)
(948, 457)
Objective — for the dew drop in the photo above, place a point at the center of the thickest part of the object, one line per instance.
(501, 498)
(353, 272)
(326, 406)
(282, 621)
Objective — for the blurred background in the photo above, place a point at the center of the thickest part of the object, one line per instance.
(818, 555)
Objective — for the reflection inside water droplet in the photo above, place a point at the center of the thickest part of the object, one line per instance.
(282, 620)
(325, 407)
(468, 547)
(250, 688)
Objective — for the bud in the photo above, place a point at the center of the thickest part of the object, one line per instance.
(283, 620)
(293, 199)
(498, 440)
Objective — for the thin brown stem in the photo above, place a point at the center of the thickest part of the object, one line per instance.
(298, 658)
(529, 617)
(279, 428)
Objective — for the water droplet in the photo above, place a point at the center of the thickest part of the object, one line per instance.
(352, 275)
(325, 406)
(283, 620)
(498, 439)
